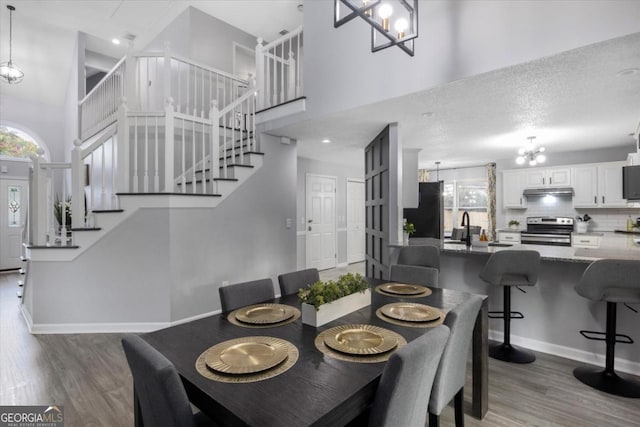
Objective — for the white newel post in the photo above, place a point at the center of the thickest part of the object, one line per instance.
(122, 167)
(215, 144)
(291, 76)
(168, 146)
(130, 83)
(77, 186)
(38, 202)
(260, 83)
(167, 71)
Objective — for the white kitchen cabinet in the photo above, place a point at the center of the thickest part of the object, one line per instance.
(512, 237)
(610, 185)
(598, 185)
(548, 177)
(585, 186)
(513, 183)
(585, 240)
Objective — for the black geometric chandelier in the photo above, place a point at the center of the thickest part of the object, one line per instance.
(393, 22)
(9, 72)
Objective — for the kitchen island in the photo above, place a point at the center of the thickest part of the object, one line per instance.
(554, 312)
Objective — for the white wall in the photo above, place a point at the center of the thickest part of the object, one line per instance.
(456, 39)
(342, 173)
(203, 38)
(164, 265)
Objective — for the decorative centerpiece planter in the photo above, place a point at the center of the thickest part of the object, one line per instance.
(323, 302)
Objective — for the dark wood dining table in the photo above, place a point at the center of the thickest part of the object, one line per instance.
(318, 390)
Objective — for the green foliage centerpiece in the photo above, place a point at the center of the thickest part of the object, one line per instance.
(326, 301)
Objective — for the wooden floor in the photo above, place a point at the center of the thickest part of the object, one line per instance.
(88, 374)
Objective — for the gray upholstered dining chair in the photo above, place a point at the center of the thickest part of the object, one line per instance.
(613, 281)
(452, 371)
(403, 392)
(508, 268)
(291, 282)
(246, 293)
(162, 398)
(424, 256)
(414, 275)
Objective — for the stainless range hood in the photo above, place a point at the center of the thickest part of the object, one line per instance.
(558, 191)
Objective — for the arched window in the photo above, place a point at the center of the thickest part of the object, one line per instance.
(15, 143)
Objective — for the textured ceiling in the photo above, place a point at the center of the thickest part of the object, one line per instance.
(44, 32)
(575, 100)
(571, 101)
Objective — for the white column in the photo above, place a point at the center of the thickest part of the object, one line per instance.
(77, 186)
(168, 146)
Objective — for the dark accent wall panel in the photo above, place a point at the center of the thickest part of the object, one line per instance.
(377, 205)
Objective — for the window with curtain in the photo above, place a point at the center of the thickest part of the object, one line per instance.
(465, 195)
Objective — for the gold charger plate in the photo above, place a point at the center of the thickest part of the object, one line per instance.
(246, 355)
(356, 358)
(411, 312)
(402, 289)
(360, 339)
(205, 371)
(261, 314)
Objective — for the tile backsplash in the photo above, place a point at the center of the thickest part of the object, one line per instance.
(601, 219)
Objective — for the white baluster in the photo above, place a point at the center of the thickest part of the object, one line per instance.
(260, 72)
(103, 178)
(135, 154)
(291, 78)
(156, 178)
(203, 165)
(214, 143)
(193, 156)
(123, 148)
(146, 154)
(183, 159)
(168, 146)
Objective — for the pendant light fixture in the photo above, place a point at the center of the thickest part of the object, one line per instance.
(531, 153)
(9, 72)
(380, 14)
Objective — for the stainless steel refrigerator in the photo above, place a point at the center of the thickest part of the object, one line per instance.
(428, 216)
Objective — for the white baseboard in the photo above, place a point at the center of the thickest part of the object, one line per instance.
(103, 328)
(597, 359)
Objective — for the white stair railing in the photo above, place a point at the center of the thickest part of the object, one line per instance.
(50, 203)
(98, 109)
(278, 70)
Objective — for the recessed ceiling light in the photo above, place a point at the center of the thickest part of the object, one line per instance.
(326, 141)
(115, 41)
(627, 72)
(428, 114)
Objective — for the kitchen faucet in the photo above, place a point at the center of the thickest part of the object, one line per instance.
(465, 216)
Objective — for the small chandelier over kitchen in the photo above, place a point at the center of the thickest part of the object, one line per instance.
(531, 153)
(380, 14)
(9, 72)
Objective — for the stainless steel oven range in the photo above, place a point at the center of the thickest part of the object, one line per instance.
(548, 230)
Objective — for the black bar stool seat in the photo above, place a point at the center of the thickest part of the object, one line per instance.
(508, 268)
(613, 281)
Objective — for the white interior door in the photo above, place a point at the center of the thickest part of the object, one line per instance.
(355, 221)
(321, 221)
(13, 210)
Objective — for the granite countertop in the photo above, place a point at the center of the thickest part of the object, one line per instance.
(612, 246)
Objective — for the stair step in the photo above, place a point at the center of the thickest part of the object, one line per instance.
(233, 165)
(87, 228)
(24, 259)
(22, 271)
(20, 283)
(169, 194)
(107, 210)
(19, 294)
(225, 179)
(52, 247)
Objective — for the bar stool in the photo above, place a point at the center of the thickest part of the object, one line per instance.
(613, 281)
(510, 268)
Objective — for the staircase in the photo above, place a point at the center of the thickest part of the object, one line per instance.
(159, 133)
